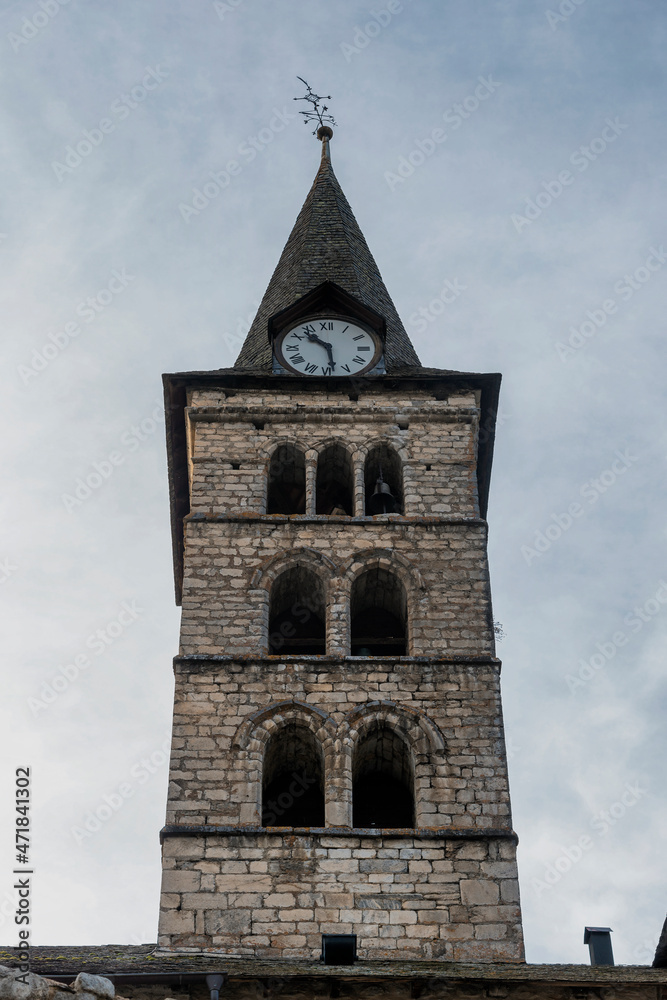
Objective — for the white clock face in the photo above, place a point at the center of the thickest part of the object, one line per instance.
(328, 346)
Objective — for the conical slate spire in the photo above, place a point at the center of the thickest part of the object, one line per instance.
(326, 244)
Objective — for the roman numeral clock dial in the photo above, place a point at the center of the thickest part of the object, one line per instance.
(328, 346)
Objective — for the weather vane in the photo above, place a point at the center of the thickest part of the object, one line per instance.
(316, 112)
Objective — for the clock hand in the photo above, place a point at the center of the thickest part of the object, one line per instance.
(316, 340)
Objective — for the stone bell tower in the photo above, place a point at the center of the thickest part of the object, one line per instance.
(338, 761)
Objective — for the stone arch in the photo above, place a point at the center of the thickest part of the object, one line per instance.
(424, 735)
(311, 574)
(397, 444)
(272, 567)
(388, 559)
(385, 721)
(308, 733)
(392, 562)
(258, 727)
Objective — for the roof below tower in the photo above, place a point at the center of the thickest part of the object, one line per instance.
(326, 245)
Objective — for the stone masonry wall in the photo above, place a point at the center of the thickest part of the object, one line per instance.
(449, 714)
(405, 897)
(231, 441)
(231, 565)
(446, 889)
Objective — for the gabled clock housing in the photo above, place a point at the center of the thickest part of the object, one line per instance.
(327, 299)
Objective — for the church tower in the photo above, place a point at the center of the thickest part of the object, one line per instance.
(338, 762)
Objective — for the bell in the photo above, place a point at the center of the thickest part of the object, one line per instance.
(382, 500)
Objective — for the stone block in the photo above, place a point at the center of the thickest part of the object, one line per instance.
(180, 880)
(233, 922)
(382, 865)
(177, 922)
(243, 883)
(280, 899)
(490, 932)
(476, 892)
(402, 917)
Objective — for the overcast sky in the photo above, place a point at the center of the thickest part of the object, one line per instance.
(508, 149)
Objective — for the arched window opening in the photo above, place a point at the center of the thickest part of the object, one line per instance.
(287, 481)
(334, 481)
(383, 479)
(378, 611)
(293, 779)
(297, 614)
(382, 780)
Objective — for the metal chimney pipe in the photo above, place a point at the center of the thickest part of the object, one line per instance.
(598, 940)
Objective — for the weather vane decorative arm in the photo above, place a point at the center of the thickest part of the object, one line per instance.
(316, 112)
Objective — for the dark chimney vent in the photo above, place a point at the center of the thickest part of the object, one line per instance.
(598, 940)
(339, 949)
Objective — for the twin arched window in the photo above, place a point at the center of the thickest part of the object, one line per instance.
(293, 779)
(378, 614)
(334, 481)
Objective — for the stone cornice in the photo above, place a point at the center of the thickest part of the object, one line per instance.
(419, 833)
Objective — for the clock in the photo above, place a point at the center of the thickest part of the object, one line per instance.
(328, 345)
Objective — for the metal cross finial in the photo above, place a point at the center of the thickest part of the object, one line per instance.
(315, 113)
